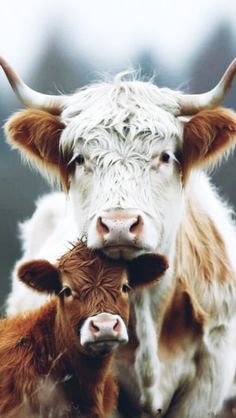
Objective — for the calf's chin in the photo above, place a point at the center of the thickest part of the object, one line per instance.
(101, 348)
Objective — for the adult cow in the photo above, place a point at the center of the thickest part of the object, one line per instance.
(131, 166)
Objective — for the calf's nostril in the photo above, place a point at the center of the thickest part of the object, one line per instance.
(93, 327)
(117, 326)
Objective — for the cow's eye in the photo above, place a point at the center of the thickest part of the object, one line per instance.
(165, 157)
(66, 291)
(79, 159)
(126, 288)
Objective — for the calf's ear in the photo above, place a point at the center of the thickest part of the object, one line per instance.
(40, 275)
(146, 269)
(36, 134)
(208, 136)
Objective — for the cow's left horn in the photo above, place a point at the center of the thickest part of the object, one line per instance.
(30, 97)
(193, 103)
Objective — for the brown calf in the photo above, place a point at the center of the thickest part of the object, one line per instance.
(68, 343)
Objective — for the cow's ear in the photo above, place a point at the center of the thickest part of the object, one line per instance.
(208, 136)
(146, 269)
(36, 134)
(40, 275)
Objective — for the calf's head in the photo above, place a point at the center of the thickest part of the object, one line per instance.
(124, 155)
(92, 294)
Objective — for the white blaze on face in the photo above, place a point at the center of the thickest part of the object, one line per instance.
(126, 190)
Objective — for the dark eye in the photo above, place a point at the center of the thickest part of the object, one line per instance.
(165, 157)
(126, 288)
(79, 159)
(66, 291)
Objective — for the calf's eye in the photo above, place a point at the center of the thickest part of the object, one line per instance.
(126, 288)
(66, 291)
(79, 160)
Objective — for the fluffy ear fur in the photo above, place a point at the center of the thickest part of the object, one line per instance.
(36, 134)
(41, 276)
(208, 136)
(146, 269)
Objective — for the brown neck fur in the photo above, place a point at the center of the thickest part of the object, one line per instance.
(39, 353)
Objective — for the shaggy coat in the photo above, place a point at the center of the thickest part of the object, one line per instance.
(45, 369)
(131, 157)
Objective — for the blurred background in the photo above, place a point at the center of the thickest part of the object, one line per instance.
(61, 45)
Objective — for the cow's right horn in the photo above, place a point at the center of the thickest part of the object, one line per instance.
(193, 103)
(30, 97)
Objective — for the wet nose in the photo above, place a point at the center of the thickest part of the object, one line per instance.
(103, 332)
(105, 325)
(119, 228)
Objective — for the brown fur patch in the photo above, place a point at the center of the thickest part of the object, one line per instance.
(207, 136)
(209, 269)
(45, 344)
(37, 134)
(199, 241)
(40, 275)
(182, 322)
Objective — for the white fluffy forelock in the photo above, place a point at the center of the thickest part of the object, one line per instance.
(138, 105)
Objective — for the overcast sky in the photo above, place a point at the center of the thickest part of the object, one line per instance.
(110, 30)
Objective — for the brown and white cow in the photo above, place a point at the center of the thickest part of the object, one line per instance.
(68, 343)
(132, 165)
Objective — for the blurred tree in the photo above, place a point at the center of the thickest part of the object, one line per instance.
(151, 67)
(60, 69)
(219, 48)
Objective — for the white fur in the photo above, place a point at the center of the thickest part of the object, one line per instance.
(122, 129)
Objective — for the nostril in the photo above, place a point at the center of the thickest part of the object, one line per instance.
(102, 227)
(93, 327)
(136, 227)
(117, 326)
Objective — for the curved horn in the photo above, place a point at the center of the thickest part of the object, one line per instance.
(30, 97)
(193, 103)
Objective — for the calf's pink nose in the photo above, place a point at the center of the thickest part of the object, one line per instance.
(105, 324)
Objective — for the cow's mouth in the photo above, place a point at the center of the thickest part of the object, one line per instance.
(126, 251)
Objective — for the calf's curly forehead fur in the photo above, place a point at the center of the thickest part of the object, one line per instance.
(86, 270)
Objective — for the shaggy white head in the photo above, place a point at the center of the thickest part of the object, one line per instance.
(126, 185)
